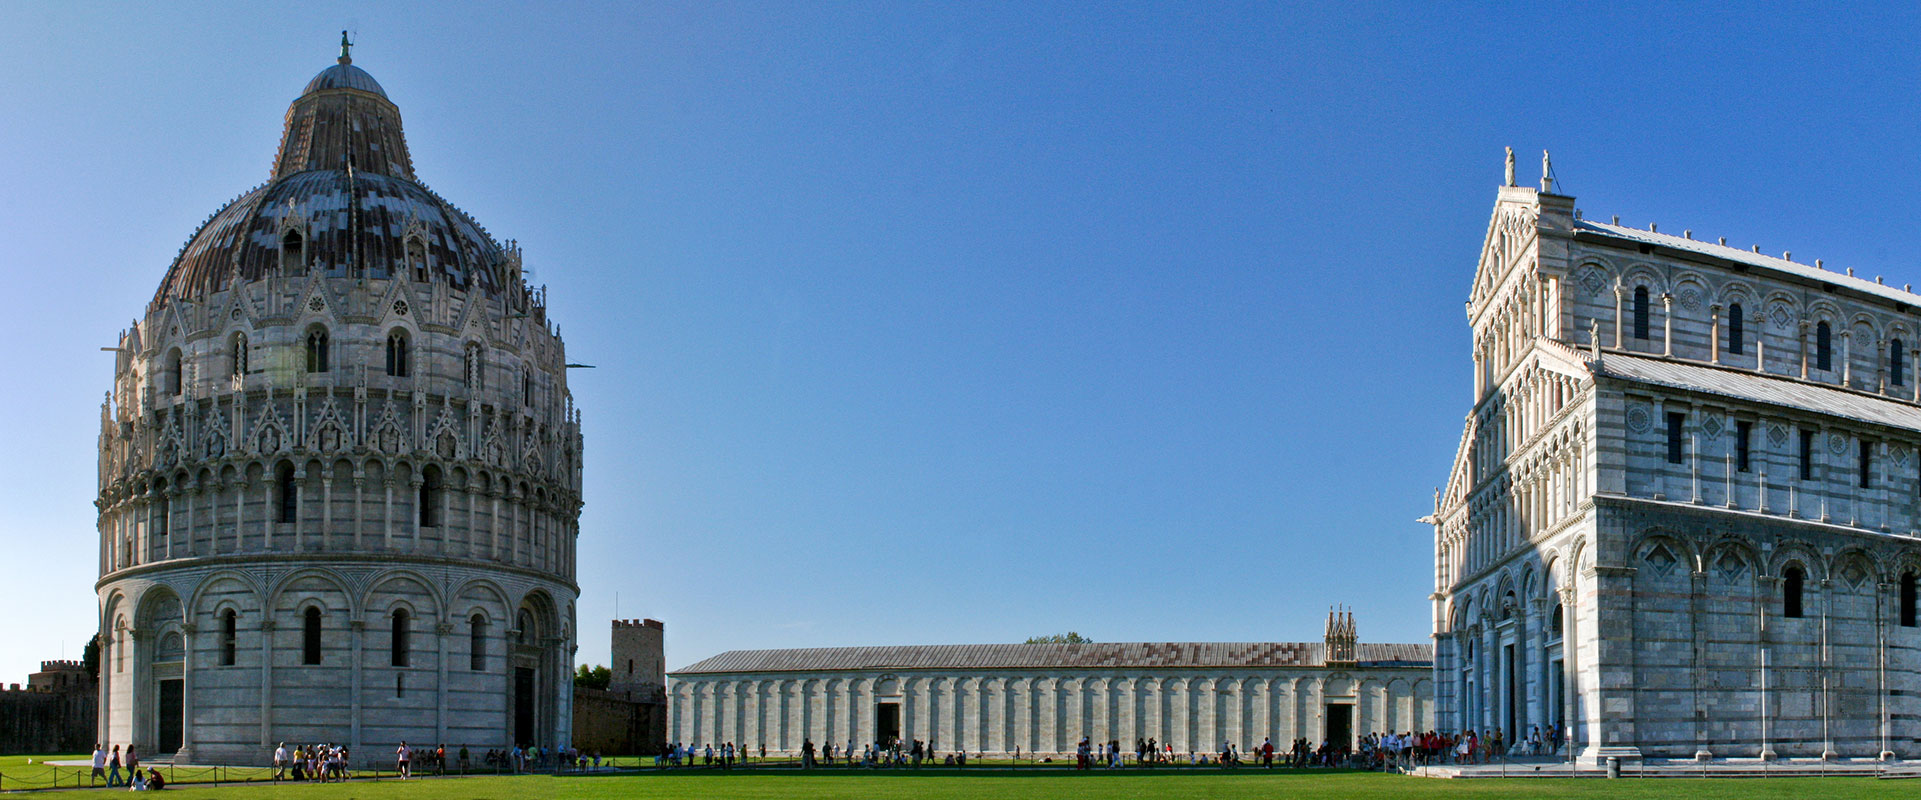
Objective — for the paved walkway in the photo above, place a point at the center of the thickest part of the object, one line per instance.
(1677, 768)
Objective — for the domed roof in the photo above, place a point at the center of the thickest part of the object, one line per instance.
(359, 225)
(344, 184)
(344, 76)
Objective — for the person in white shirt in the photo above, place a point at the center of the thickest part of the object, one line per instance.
(280, 762)
(405, 757)
(99, 764)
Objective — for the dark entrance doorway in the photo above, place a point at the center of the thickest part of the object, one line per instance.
(1510, 672)
(172, 725)
(523, 706)
(887, 723)
(1340, 725)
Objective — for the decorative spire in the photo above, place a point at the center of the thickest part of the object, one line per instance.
(346, 49)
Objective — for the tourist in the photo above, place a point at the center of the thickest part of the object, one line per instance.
(133, 763)
(113, 774)
(404, 759)
(154, 781)
(463, 759)
(280, 762)
(137, 781)
(99, 764)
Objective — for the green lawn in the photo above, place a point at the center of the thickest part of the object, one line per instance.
(984, 785)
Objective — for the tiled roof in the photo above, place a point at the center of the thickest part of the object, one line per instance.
(1762, 388)
(1738, 255)
(1054, 656)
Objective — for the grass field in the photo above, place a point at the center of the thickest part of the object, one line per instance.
(1040, 783)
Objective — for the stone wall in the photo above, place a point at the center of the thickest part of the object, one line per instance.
(615, 723)
(38, 722)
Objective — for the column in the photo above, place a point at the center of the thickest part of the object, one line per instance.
(355, 629)
(1714, 333)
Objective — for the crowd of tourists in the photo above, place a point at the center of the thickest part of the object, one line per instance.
(1380, 751)
(106, 767)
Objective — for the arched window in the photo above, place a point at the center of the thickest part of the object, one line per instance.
(429, 497)
(1907, 599)
(229, 631)
(172, 376)
(317, 350)
(397, 353)
(477, 643)
(1557, 621)
(310, 637)
(161, 507)
(120, 647)
(293, 253)
(527, 385)
(1897, 363)
(476, 366)
(1823, 347)
(1736, 327)
(1640, 312)
(237, 358)
(400, 637)
(417, 257)
(1791, 592)
(288, 493)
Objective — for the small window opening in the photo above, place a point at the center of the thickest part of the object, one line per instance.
(229, 632)
(1736, 327)
(397, 354)
(293, 253)
(1640, 312)
(1743, 437)
(1676, 447)
(400, 634)
(1791, 585)
(310, 638)
(172, 376)
(1907, 599)
(1897, 363)
(1864, 464)
(288, 491)
(477, 643)
(1823, 347)
(1807, 455)
(317, 350)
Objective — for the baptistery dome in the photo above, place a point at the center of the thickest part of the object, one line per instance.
(339, 470)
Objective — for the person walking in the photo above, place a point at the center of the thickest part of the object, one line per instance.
(99, 764)
(403, 759)
(280, 763)
(113, 775)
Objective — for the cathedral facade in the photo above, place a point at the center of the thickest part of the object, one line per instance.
(339, 470)
(1683, 517)
(1041, 699)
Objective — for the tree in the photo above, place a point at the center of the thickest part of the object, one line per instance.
(90, 657)
(594, 677)
(1069, 637)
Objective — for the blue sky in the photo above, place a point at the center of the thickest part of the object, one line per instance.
(950, 322)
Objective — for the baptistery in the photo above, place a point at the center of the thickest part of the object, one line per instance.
(339, 470)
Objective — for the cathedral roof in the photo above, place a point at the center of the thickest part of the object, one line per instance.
(1768, 389)
(1739, 256)
(1120, 655)
(344, 180)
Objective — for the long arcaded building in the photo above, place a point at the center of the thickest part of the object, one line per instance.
(994, 699)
